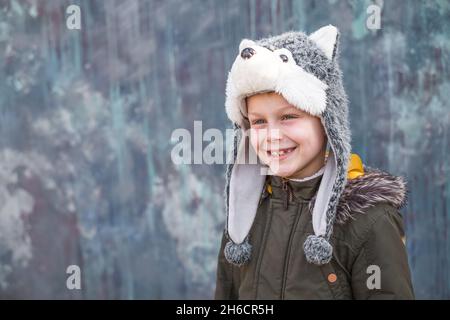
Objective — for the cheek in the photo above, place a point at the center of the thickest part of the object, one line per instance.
(316, 136)
(256, 136)
(306, 133)
(297, 132)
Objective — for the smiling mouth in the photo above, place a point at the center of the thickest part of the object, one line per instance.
(280, 153)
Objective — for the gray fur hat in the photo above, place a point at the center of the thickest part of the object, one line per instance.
(304, 70)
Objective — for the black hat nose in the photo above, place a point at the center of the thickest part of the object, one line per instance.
(247, 53)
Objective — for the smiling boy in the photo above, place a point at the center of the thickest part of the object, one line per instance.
(309, 220)
(297, 146)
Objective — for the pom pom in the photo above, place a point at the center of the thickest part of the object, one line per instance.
(238, 254)
(317, 250)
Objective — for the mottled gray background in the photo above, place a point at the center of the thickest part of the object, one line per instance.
(86, 119)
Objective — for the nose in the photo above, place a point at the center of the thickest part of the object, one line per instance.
(274, 134)
(247, 53)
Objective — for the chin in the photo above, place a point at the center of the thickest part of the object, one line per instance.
(283, 172)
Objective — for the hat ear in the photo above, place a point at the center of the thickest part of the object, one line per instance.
(326, 38)
(246, 43)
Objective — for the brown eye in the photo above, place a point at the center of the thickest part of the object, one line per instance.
(284, 57)
(289, 116)
(257, 121)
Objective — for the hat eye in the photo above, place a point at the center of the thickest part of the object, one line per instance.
(284, 58)
(247, 53)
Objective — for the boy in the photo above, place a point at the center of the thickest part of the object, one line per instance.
(308, 220)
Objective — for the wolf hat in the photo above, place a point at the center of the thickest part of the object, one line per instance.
(304, 70)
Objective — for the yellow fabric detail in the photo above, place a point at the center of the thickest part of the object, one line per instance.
(355, 167)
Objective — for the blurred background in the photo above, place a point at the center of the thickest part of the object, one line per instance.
(86, 118)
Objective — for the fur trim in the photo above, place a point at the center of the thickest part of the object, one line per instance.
(366, 191)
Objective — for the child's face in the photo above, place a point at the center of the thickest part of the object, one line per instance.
(290, 141)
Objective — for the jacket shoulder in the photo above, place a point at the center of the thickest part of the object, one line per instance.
(357, 229)
(367, 200)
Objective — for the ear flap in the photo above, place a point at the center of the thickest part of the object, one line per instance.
(326, 38)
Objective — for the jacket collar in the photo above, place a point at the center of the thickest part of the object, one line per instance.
(360, 193)
(304, 190)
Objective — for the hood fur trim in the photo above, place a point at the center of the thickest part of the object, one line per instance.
(366, 191)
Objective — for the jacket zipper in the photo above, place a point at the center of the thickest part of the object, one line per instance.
(286, 187)
(262, 249)
(288, 195)
(287, 192)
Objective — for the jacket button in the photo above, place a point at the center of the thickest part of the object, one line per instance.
(332, 278)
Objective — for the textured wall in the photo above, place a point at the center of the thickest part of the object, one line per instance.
(86, 118)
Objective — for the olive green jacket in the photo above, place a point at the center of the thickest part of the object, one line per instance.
(369, 256)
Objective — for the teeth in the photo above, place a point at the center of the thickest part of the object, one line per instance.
(280, 153)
